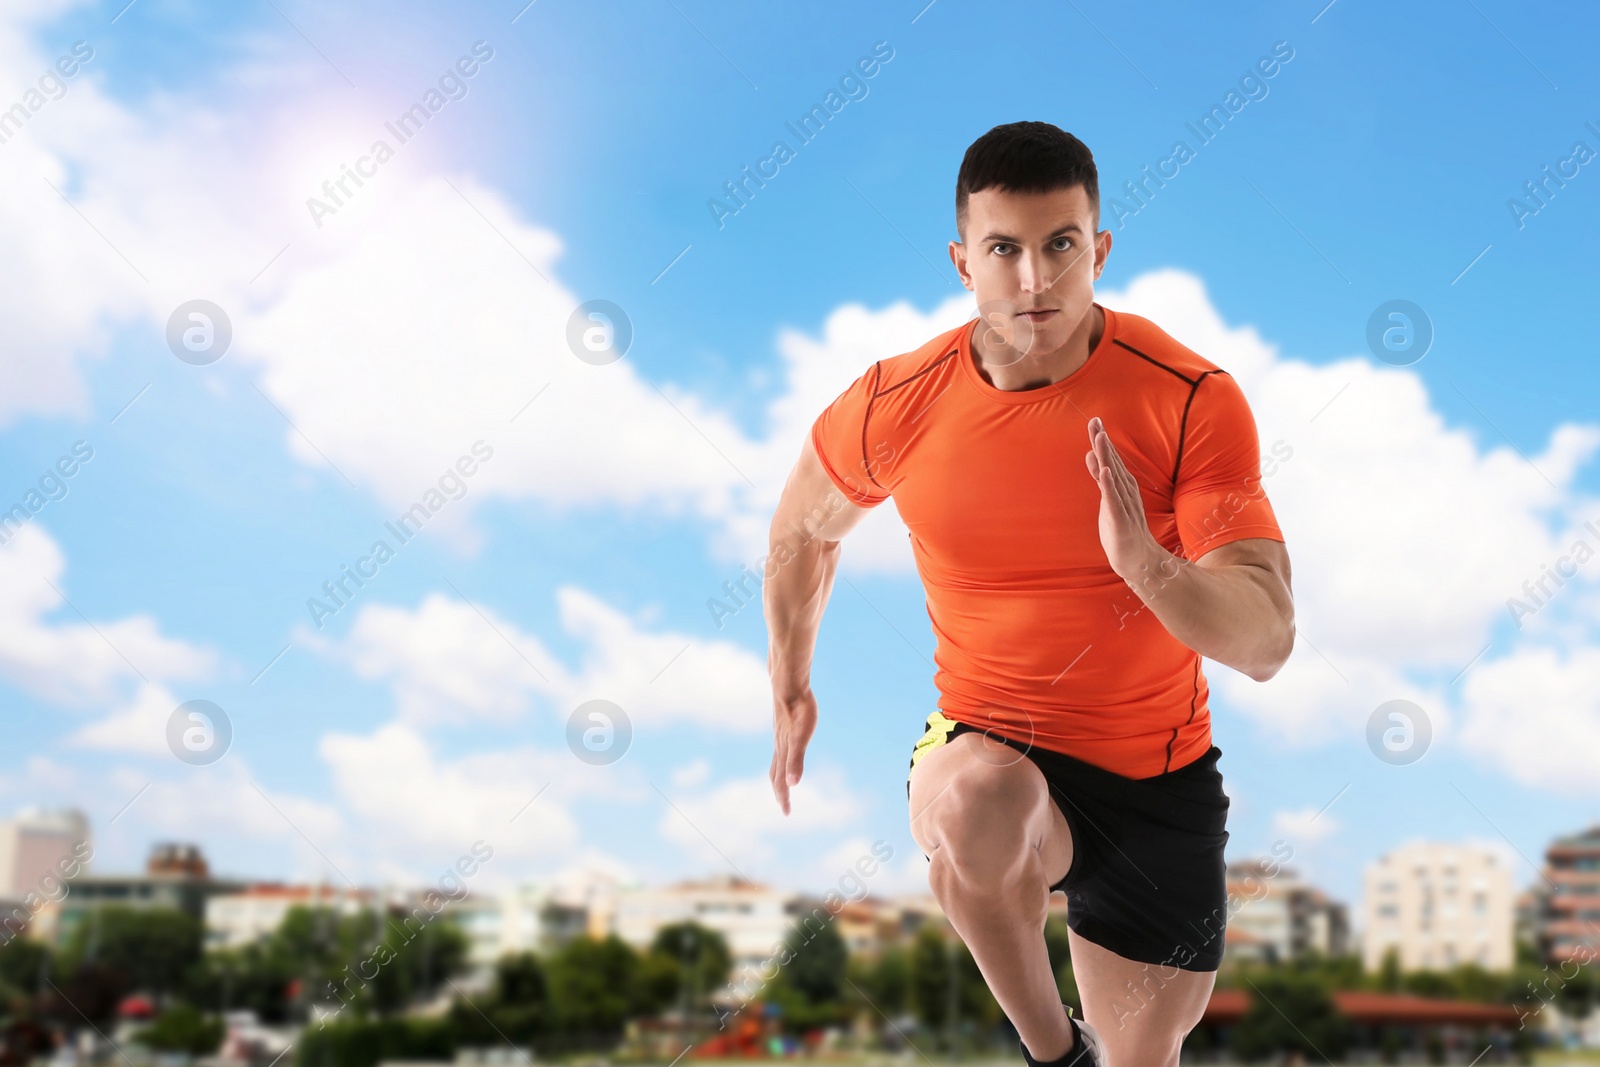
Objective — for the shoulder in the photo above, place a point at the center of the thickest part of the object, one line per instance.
(933, 358)
(902, 385)
(893, 382)
(1159, 353)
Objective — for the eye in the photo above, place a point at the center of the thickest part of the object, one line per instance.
(1062, 243)
(998, 245)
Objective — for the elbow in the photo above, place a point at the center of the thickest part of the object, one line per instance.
(1263, 674)
(1268, 668)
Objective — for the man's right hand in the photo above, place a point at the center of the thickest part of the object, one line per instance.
(812, 515)
(794, 720)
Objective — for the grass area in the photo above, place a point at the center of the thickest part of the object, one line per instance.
(1583, 1057)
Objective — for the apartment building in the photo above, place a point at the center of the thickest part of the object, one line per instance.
(1438, 905)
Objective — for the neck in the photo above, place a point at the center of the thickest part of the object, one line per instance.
(1039, 369)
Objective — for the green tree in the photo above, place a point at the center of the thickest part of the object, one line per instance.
(1579, 994)
(1440, 984)
(593, 988)
(1290, 1012)
(23, 964)
(154, 949)
(418, 956)
(367, 961)
(974, 1001)
(1388, 978)
(252, 977)
(930, 977)
(323, 938)
(368, 1042)
(1338, 972)
(90, 990)
(1567, 987)
(181, 1028)
(699, 964)
(1472, 982)
(809, 986)
(817, 969)
(519, 979)
(885, 980)
(325, 950)
(521, 996)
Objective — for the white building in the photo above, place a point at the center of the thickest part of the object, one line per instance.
(542, 915)
(534, 918)
(235, 919)
(1439, 905)
(752, 918)
(1280, 916)
(36, 846)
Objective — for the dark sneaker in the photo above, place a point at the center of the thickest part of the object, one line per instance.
(1087, 1048)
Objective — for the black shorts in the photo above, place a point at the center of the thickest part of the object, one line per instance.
(1147, 879)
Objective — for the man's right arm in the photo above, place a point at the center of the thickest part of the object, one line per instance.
(812, 517)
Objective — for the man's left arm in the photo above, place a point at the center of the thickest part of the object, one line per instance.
(1231, 600)
(1232, 605)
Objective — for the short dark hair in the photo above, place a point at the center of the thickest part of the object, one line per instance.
(1026, 157)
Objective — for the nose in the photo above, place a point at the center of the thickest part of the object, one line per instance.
(1033, 276)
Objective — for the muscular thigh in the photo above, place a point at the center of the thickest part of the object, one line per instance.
(974, 780)
(1143, 1011)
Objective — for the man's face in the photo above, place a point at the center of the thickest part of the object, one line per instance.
(1034, 257)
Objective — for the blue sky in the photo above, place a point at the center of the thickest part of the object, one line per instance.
(429, 312)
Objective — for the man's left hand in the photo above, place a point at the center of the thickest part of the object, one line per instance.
(1124, 533)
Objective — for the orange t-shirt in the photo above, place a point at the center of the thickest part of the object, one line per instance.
(1036, 637)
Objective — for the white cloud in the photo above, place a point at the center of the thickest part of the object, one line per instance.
(433, 277)
(445, 661)
(664, 677)
(1304, 827)
(409, 326)
(40, 776)
(840, 870)
(226, 800)
(59, 281)
(113, 214)
(245, 828)
(416, 807)
(739, 820)
(78, 663)
(139, 726)
(1535, 714)
(1313, 700)
(692, 773)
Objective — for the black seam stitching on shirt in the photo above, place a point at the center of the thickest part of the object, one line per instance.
(917, 375)
(866, 468)
(1193, 698)
(1183, 426)
(1157, 362)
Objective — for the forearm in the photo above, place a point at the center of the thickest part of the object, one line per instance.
(793, 600)
(1239, 615)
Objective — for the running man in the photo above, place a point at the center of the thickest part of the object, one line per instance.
(1086, 513)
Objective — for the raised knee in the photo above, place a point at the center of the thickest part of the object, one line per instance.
(980, 823)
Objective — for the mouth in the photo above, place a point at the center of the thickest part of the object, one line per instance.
(1038, 316)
